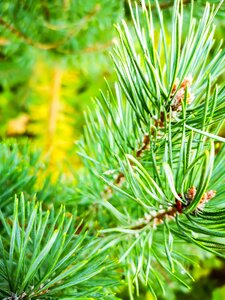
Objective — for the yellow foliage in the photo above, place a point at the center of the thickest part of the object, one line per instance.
(51, 116)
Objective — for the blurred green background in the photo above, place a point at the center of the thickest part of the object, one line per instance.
(54, 58)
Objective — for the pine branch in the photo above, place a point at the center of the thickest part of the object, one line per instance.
(42, 256)
(27, 40)
(22, 170)
(149, 147)
(45, 46)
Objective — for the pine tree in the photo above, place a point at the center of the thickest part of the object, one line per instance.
(151, 194)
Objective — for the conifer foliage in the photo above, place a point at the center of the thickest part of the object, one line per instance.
(152, 193)
(42, 253)
(151, 146)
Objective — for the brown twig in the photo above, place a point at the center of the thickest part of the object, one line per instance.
(178, 208)
(157, 218)
(145, 145)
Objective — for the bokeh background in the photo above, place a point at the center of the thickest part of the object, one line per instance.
(54, 59)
